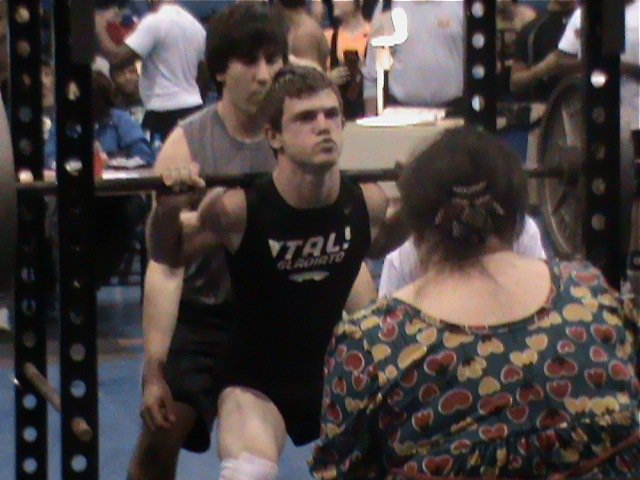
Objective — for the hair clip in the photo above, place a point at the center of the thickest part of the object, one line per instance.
(470, 189)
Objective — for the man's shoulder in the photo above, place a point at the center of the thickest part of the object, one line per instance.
(205, 114)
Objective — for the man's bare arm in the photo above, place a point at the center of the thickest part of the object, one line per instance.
(165, 235)
(225, 216)
(556, 63)
(363, 291)
(162, 291)
(388, 228)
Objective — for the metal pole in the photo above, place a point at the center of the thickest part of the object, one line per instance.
(74, 36)
(602, 42)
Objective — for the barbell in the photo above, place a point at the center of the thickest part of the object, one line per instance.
(558, 170)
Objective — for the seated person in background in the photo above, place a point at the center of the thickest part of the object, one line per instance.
(126, 95)
(116, 130)
(536, 67)
(402, 266)
(427, 68)
(119, 217)
(350, 35)
(490, 364)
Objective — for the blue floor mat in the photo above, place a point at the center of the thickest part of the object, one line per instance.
(119, 333)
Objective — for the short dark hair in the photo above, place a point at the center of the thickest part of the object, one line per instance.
(120, 67)
(294, 81)
(241, 32)
(102, 95)
(464, 188)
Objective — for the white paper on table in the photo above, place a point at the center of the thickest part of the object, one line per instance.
(123, 162)
(403, 116)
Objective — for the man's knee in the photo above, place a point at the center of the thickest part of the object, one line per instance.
(248, 422)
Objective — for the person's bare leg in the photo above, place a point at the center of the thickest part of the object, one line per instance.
(251, 434)
(156, 453)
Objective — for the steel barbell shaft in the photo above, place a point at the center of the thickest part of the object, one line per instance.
(155, 183)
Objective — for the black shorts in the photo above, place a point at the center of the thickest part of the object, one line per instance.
(298, 398)
(200, 332)
(161, 123)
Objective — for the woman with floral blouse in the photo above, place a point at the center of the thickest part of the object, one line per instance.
(491, 364)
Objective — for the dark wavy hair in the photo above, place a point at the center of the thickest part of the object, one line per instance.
(241, 32)
(460, 191)
(294, 81)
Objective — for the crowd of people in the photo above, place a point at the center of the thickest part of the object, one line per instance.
(476, 355)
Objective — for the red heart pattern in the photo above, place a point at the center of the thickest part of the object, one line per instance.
(494, 403)
(597, 354)
(445, 398)
(495, 432)
(518, 413)
(531, 392)
(510, 374)
(455, 400)
(438, 466)
(428, 392)
(577, 334)
(422, 420)
(354, 361)
(559, 389)
(560, 367)
(441, 363)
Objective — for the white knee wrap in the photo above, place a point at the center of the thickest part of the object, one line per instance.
(248, 467)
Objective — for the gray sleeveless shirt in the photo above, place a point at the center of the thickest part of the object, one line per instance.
(217, 153)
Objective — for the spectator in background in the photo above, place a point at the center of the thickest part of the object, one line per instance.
(427, 68)
(118, 133)
(569, 47)
(402, 266)
(351, 35)
(510, 19)
(536, 68)
(490, 364)
(307, 44)
(126, 89)
(170, 42)
(119, 217)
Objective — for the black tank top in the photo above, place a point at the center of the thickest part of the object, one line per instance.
(291, 275)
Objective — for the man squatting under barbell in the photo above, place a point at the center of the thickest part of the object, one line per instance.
(295, 242)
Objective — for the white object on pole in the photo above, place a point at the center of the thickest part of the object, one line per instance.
(382, 45)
